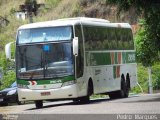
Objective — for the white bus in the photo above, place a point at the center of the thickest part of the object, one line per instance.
(74, 58)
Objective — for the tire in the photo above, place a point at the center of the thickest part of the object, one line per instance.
(39, 104)
(126, 93)
(20, 102)
(122, 92)
(86, 99)
(127, 86)
(113, 95)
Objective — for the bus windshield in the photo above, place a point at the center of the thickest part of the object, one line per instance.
(39, 61)
(44, 34)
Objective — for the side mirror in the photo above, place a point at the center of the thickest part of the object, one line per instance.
(75, 46)
(8, 50)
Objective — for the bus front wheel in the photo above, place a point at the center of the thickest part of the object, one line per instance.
(86, 99)
(39, 104)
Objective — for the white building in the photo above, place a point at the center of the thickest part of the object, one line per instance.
(21, 15)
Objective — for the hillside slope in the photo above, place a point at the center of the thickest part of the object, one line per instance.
(7, 6)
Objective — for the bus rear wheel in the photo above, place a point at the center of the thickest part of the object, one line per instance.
(122, 93)
(113, 95)
(127, 86)
(39, 104)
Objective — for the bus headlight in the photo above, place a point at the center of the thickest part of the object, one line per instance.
(68, 83)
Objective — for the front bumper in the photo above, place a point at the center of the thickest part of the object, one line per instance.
(66, 92)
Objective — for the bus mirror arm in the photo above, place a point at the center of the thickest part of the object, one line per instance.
(75, 46)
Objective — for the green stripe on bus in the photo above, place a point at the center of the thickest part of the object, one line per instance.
(115, 58)
(114, 71)
(100, 59)
(109, 58)
(123, 57)
(52, 81)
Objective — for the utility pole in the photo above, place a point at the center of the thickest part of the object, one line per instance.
(30, 7)
(29, 10)
(30, 17)
(150, 80)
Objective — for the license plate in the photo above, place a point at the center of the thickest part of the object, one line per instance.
(45, 93)
(1, 100)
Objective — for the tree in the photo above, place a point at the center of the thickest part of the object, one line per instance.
(146, 51)
(148, 38)
(30, 6)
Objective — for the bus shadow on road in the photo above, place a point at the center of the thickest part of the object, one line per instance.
(150, 100)
(130, 99)
(156, 99)
(141, 98)
(93, 101)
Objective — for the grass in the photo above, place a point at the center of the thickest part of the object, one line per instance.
(7, 6)
(98, 96)
(62, 9)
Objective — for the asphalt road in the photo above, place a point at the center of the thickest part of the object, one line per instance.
(135, 104)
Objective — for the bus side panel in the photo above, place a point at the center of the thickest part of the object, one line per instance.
(104, 78)
(107, 78)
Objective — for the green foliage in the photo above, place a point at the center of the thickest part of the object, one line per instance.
(77, 10)
(146, 50)
(30, 2)
(8, 34)
(98, 96)
(8, 79)
(142, 79)
(139, 5)
(8, 72)
(52, 3)
(12, 11)
(156, 76)
(3, 62)
(142, 73)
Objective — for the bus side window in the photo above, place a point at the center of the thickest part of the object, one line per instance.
(130, 39)
(112, 38)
